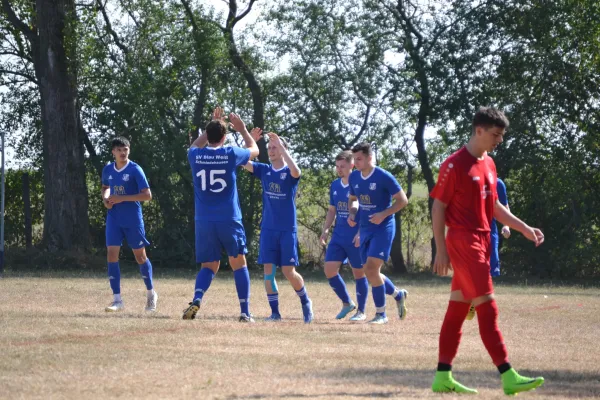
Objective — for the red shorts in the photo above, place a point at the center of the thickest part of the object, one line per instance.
(469, 254)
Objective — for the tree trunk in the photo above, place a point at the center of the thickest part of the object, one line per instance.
(27, 210)
(66, 223)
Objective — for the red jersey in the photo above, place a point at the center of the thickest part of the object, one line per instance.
(468, 187)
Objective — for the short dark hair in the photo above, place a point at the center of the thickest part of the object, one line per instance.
(119, 141)
(488, 117)
(345, 155)
(215, 130)
(363, 147)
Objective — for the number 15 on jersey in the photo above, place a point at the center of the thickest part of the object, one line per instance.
(214, 180)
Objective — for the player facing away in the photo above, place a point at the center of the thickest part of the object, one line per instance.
(342, 245)
(379, 197)
(218, 216)
(494, 239)
(124, 186)
(278, 230)
(466, 200)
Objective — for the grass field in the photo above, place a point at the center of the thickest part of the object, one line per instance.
(56, 341)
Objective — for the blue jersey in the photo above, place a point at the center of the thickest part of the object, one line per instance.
(129, 180)
(503, 198)
(338, 197)
(279, 197)
(374, 194)
(215, 188)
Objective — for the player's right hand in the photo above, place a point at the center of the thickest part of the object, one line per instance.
(357, 240)
(535, 235)
(236, 122)
(323, 237)
(107, 204)
(351, 221)
(218, 114)
(441, 265)
(256, 134)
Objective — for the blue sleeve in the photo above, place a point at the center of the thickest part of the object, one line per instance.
(105, 181)
(331, 202)
(501, 189)
(391, 184)
(242, 156)
(258, 169)
(140, 179)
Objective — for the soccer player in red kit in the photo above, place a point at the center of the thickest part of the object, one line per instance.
(465, 200)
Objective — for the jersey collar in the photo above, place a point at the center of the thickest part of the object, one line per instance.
(368, 176)
(121, 170)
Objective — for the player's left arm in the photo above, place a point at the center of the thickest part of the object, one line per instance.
(505, 217)
(285, 154)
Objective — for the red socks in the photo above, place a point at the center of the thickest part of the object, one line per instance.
(487, 316)
(452, 330)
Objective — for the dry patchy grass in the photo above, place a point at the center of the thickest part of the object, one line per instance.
(57, 342)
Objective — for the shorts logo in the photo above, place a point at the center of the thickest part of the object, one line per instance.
(476, 178)
(292, 260)
(381, 254)
(125, 177)
(283, 175)
(373, 186)
(140, 243)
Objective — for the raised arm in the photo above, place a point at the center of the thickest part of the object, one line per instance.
(238, 125)
(294, 169)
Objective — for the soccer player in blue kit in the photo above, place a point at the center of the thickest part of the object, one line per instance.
(124, 186)
(375, 188)
(218, 214)
(342, 245)
(278, 231)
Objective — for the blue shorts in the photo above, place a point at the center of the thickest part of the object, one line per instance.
(494, 256)
(279, 248)
(135, 235)
(376, 243)
(339, 249)
(212, 236)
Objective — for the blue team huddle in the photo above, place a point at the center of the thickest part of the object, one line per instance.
(362, 203)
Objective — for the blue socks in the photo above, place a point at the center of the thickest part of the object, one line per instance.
(203, 281)
(274, 302)
(362, 291)
(390, 289)
(339, 287)
(303, 295)
(242, 285)
(114, 277)
(146, 272)
(379, 299)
